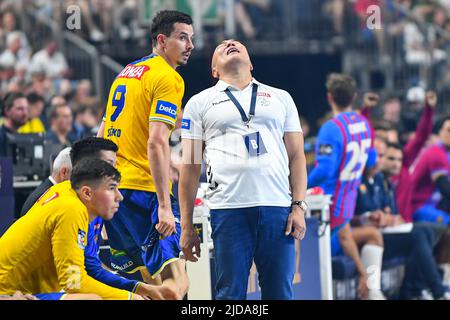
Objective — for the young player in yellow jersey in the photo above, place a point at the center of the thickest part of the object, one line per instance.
(43, 252)
(142, 109)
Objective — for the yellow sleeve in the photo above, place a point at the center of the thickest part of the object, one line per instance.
(167, 95)
(69, 238)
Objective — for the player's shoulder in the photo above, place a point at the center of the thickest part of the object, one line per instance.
(330, 129)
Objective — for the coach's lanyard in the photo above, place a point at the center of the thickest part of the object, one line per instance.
(251, 114)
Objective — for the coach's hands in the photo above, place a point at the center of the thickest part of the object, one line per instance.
(166, 224)
(161, 292)
(296, 225)
(190, 243)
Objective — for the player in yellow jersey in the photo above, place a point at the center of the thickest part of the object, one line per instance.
(49, 257)
(144, 101)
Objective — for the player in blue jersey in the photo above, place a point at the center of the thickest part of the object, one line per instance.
(344, 149)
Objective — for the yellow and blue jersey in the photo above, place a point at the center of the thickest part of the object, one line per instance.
(43, 251)
(145, 91)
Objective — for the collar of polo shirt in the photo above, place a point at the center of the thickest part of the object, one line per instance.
(222, 85)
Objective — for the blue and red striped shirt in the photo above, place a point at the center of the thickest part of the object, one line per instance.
(344, 149)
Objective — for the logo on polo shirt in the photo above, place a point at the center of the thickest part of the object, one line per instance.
(186, 124)
(166, 108)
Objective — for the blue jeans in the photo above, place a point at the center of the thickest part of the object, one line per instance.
(246, 234)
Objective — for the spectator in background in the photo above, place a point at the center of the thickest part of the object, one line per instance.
(40, 84)
(244, 9)
(86, 120)
(386, 131)
(15, 111)
(36, 108)
(430, 179)
(12, 56)
(62, 168)
(60, 125)
(128, 21)
(50, 61)
(361, 9)
(391, 110)
(8, 25)
(415, 101)
(376, 205)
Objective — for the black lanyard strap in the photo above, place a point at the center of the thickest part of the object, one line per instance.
(239, 107)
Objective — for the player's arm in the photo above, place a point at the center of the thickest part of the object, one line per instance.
(95, 269)
(187, 191)
(101, 129)
(166, 103)
(293, 142)
(423, 131)
(68, 255)
(328, 152)
(158, 152)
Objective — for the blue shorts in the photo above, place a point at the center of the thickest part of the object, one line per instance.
(135, 243)
(336, 248)
(51, 296)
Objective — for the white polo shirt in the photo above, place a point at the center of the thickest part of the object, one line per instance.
(236, 179)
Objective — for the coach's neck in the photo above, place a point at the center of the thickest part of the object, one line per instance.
(237, 78)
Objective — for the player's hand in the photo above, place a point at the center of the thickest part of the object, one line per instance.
(137, 297)
(370, 99)
(363, 289)
(152, 292)
(296, 225)
(190, 244)
(431, 99)
(378, 219)
(166, 224)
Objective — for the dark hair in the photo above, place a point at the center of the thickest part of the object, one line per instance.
(440, 123)
(394, 145)
(10, 98)
(383, 125)
(342, 88)
(164, 21)
(34, 97)
(91, 171)
(53, 112)
(90, 147)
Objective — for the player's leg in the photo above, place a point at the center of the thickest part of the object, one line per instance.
(125, 252)
(175, 277)
(234, 233)
(275, 254)
(370, 240)
(367, 235)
